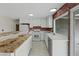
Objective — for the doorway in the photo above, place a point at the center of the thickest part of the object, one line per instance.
(17, 27)
(74, 17)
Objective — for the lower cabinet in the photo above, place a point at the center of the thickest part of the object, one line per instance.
(50, 46)
(59, 48)
(22, 50)
(46, 41)
(77, 49)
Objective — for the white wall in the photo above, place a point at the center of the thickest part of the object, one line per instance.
(34, 22)
(8, 24)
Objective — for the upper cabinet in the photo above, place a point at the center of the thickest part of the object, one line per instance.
(49, 22)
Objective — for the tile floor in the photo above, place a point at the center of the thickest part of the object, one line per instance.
(38, 49)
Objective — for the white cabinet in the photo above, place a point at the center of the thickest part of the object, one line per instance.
(59, 48)
(24, 49)
(43, 35)
(77, 50)
(50, 22)
(59, 45)
(46, 39)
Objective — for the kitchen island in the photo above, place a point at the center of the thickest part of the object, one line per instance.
(19, 46)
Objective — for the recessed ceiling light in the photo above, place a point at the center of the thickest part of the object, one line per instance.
(53, 10)
(30, 14)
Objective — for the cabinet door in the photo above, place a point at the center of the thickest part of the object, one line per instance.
(24, 49)
(46, 40)
(60, 48)
(50, 46)
(77, 49)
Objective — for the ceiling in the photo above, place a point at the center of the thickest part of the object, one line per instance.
(21, 10)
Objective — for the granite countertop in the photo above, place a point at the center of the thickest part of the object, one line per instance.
(9, 45)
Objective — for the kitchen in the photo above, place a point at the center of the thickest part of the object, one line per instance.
(30, 27)
(44, 29)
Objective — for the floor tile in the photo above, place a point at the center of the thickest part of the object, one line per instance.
(38, 49)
